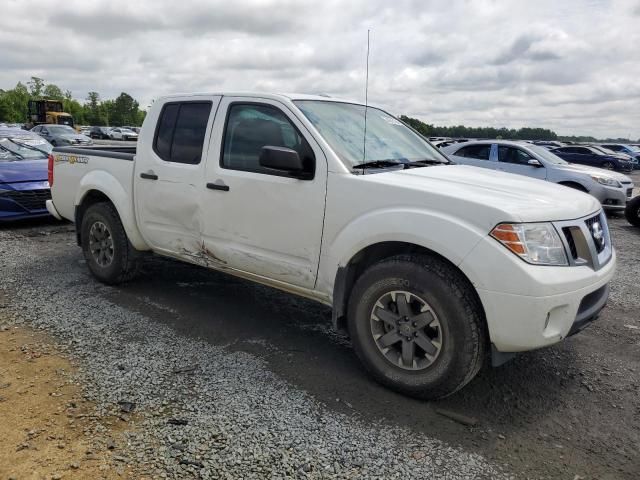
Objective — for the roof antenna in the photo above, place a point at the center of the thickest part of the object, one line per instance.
(366, 106)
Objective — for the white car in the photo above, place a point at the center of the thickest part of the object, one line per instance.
(118, 133)
(429, 266)
(612, 189)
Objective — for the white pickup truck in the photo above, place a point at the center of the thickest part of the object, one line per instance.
(428, 265)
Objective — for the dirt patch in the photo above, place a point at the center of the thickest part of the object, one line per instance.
(48, 431)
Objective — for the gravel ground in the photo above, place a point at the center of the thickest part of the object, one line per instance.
(242, 420)
(267, 390)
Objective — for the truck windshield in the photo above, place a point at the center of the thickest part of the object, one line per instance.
(388, 141)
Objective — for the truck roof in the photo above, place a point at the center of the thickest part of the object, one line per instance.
(272, 96)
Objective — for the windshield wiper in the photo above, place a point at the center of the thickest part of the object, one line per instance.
(31, 147)
(15, 154)
(429, 161)
(379, 164)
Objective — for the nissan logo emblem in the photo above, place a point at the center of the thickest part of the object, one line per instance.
(598, 234)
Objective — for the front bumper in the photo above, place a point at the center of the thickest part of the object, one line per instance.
(24, 201)
(612, 198)
(533, 306)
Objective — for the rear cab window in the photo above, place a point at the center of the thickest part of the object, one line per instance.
(182, 127)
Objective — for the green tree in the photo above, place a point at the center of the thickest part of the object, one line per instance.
(93, 113)
(53, 92)
(125, 110)
(36, 86)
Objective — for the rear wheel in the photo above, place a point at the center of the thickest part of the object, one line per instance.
(417, 326)
(106, 248)
(608, 165)
(632, 211)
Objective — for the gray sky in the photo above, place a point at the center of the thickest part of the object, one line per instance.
(569, 65)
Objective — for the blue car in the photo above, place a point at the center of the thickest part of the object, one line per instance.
(632, 150)
(24, 186)
(595, 157)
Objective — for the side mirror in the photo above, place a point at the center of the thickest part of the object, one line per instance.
(534, 163)
(283, 159)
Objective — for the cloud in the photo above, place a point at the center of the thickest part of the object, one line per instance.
(571, 66)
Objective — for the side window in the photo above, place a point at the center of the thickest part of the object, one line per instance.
(250, 127)
(479, 152)
(513, 155)
(582, 151)
(181, 131)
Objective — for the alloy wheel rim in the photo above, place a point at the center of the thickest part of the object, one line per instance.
(101, 244)
(406, 330)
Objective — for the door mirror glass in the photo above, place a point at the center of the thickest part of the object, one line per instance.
(283, 159)
(534, 163)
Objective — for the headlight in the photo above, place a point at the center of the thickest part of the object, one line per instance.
(609, 182)
(536, 243)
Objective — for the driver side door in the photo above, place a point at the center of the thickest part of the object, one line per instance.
(259, 220)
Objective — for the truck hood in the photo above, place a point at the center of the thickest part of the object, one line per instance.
(503, 196)
(23, 171)
(601, 172)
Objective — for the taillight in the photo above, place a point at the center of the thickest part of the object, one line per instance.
(50, 170)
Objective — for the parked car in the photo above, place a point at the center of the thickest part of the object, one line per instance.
(428, 264)
(86, 131)
(58, 135)
(612, 189)
(101, 133)
(596, 157)
(135, 129)
(24, 186)
(121, 133)
(631, 150)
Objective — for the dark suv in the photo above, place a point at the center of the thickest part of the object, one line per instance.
(99, 132)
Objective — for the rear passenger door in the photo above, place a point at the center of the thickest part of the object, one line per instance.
(257, 220)
(478, 155)
(169, 173)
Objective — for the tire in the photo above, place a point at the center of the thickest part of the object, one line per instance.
(632, 211)
(109, 255)
(608, 166)
(458, 326)
(54, 143)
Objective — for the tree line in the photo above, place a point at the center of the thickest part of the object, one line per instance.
(525, 133)
(123, 110)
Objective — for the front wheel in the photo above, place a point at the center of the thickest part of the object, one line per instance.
(417, 326)
(632, 211)
(608, 166)
(106, 248)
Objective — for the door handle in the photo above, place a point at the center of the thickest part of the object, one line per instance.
(218, 186)
(149, 176)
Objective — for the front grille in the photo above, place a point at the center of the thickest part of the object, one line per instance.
(571, 242)
(30, 199)
(597, 232)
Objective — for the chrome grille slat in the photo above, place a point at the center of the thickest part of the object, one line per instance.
(581, 244)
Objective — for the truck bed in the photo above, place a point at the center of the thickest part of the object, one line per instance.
(121, 153)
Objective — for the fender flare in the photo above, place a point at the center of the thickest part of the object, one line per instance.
(106, 184)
